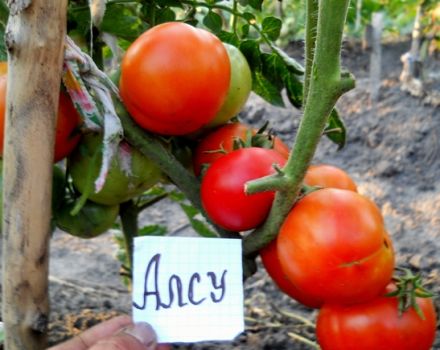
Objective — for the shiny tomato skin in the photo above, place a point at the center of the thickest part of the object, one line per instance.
(271, 263)
(324, 175)
(222, 189)
(174, 78)
(239, 88)
(376, 325)
(222, 139)
(67, 133)
(333, 246)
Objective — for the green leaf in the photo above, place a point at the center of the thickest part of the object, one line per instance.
(189, 210)
(256, 4)
(229, 38)
(294, 89)
(243, 2)
(122, 21)
(213, 21)
(263, 87)
(170, 3)
(245, 30)
(271, 26)
(249, 16)
(165, 15)
(202, 229)
(152, 230)
(4, 14)
(251, 50)
(293, 65)
(335, 129)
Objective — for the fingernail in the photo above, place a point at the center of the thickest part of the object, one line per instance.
(144, 333)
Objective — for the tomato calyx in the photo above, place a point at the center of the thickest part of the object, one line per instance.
(409, 287)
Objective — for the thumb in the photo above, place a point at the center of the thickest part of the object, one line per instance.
(139, 336)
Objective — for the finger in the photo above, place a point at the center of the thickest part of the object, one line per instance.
(91, 336)
(138, 337)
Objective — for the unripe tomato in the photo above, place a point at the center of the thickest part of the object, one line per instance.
(67, 133)
(175, 78)
(333, 246)
(222, 189)
(324, 175)
(376, 324)
(119, 186)
(239, 88)
(220, 142)
(92, 220)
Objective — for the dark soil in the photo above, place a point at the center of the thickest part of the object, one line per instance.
(392, 152)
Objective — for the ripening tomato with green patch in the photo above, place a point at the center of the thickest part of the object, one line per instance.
(67, 134)
(220, 142)
(377, 324)
(239, 90)
(223, 188)
(174, 78)
(130, 173)
(325, 175)
(334, 247)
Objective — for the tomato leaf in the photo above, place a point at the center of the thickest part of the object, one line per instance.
(263, 87)
(251, 50)
(152, 230)
(335, 129)
(271, 26)
(229, 38)
(122, 21)
(165, 15)
(213, 21)
(256, 4)
(199, 226)
(293, 65)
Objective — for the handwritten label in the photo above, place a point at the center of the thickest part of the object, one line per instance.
(189, 289)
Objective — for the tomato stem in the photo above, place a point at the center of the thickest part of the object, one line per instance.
(327, 84)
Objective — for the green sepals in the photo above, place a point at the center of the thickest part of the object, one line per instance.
(271, 26)
(335, 129)
(409, 287)
(152, 230)
(213, 21)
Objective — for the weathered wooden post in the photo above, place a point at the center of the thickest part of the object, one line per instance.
(34, 39)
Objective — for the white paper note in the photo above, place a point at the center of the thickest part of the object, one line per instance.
(189, 289)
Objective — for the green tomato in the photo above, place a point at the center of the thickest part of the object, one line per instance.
(239, 88)
(92, 220)
(120, 185)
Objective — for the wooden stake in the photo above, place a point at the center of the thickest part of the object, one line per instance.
(34, 39)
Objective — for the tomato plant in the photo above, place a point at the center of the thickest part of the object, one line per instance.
(222, 189)
(333, 246)
(92, 220)
(130, 173)
(175, 78)
(67, 134)
(221, 141)
(377, 324)
(240, 87)
(324, 175)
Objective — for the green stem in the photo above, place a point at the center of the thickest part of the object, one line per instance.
(310, 41)
(151, 147)
(234, 16)
(128, 213)
(326, 86)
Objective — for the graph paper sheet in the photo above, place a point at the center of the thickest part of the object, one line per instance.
(189, 289)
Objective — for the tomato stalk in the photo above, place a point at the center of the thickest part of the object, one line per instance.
(129, 213)
(326, 85)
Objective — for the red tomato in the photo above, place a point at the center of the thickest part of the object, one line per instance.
(67, 134)
(175, 78)
(222, 190)
(376, 325)
(272, 265)
(324, 175)
(333, 246)
(222, 140)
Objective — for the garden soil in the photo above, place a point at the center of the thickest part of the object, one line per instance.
(393, 154)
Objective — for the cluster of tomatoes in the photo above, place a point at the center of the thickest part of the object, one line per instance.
(332, 252)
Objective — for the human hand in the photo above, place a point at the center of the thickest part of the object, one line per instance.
(119, 333)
